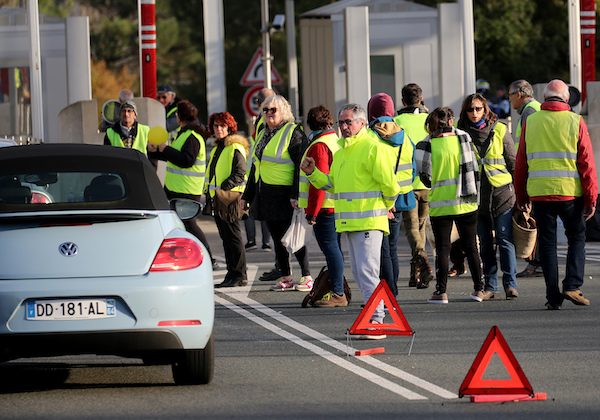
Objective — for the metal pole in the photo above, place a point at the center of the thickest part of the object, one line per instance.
(292, 56)
(147, 36)
(35, 71)
(214, 36)
(575, 47)
(468, 45)
(266, 38)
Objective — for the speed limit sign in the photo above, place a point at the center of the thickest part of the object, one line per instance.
(249, 101)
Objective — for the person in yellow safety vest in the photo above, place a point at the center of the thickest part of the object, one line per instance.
(165, 94)
(412, 119)
(365, 186)
(447, 163)
(227, 172)
(556, 171)
(496, 151)
(384, 129)
(128, 132)
(250, 222)
(318, 205)
(186, 164)
(520, 95)
(273, 184)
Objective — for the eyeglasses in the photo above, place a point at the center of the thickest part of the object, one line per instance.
(127, 110)
(161, 96)
(474, 108)
(512, 93)
(267, 110)
(346, 122)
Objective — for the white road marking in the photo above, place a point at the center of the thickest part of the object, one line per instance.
(340, 361)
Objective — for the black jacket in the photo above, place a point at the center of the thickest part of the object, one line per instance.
(494, 201)
(272, 202)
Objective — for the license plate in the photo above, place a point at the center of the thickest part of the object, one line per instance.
(70, 309)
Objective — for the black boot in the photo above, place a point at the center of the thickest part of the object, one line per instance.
(414, 273)
(426, 274)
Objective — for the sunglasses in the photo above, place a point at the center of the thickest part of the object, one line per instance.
(267, 110)
(346, 122)
(162, 96)
(474, 108)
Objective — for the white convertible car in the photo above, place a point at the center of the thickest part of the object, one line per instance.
(95, 260)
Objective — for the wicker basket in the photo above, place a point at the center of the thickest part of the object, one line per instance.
(524, 234)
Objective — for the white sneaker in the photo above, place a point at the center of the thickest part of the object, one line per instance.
(283, 284)
(372, 337)
(305, 284)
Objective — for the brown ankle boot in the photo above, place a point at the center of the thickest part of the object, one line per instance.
(426, 274)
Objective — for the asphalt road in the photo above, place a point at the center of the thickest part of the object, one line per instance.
(276, 359)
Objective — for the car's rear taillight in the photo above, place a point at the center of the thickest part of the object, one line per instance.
(40, 198)
(177, 254)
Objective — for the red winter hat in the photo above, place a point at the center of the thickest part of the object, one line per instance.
(380, 105)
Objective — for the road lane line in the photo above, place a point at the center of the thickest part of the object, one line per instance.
(405, 376)
(340, 361)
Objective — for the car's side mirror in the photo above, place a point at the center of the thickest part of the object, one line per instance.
(186, 208)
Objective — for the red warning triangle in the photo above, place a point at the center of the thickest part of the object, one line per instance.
(398, 327)
(474, 382)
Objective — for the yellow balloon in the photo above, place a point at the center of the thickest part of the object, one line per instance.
(158, 135)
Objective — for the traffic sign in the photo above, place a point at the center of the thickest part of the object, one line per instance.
(249, 102)
(254, 74)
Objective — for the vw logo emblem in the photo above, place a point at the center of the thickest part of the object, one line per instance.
(68, 249)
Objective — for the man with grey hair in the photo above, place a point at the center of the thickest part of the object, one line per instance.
(165, 94)
(555, 170)
(364, 183)
(520, 95)
(125, 95)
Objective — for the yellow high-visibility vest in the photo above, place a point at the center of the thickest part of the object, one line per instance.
(445, 163)
(334, 144)
(140, 142)
(187, 180)
(551, 142)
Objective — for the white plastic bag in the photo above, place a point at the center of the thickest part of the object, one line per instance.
(298, 234)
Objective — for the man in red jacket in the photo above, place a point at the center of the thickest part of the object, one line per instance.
(555, 170)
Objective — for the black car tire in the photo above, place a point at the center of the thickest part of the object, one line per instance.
(195, 367)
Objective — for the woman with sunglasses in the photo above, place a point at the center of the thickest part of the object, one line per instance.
(273, 183)
(497, 153)
(447, 163)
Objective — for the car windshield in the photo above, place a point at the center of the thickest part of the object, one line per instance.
(62, 187)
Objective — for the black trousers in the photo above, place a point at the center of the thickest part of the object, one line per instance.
(278, 229)
(233, 245)
(467, 230)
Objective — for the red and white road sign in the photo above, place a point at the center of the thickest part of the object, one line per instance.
(249, 102)
(254, 74)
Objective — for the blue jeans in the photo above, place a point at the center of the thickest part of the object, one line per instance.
(508, 260)
(571, 214)
(330, 244)
(390, 267)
